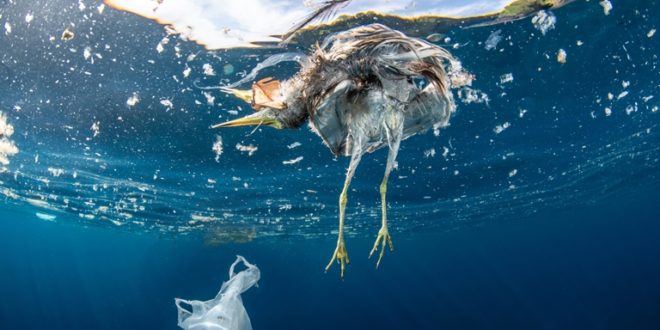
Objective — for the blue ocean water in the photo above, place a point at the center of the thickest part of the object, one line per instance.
(536, 210)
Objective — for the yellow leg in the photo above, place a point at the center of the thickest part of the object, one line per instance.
(384, 239)
(341, 255)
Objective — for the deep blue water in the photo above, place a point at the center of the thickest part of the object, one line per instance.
(593, 268)
(552, 223)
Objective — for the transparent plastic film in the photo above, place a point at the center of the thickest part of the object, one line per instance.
(226, 310)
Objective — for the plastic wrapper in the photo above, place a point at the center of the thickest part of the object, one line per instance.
(226, 310)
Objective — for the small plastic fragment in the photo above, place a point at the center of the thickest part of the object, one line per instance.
(544, 21)
(226, 310)
(500, 128)
(561, 56)
(250, 149)
(493, 39)
(227, 69)
(7, 146)
(293, 161)
(133, 100)
(67, 35)
(506, 78)
(217, 147)
(435, 37)
(607, 6)
(208, 69)
(46, 216)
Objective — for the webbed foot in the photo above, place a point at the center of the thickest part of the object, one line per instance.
(383, 239)
(341, 256)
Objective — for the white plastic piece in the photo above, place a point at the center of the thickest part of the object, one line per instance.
(226, 310)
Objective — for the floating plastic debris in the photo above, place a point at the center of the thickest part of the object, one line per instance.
(67, 35)
(430, 153)
(506, 78)
(461, 78)
(294, 145)
(226, 310)
(87, 53)
(250, 149)
(6, 129)
(210, 99)
(493, 39)
(133, 100)
(293, 161)
(608, 112)
(96, 128)
(651, 33)
(435, 37)
(622, 95)
(445, 152)
(45, 216)
(161, 45)
(500, 128)
(561, 56)
(544, 21)
(208, 69)
(217, 147)
(469, 95)
(607, 6)
(228, 69)
(56, 172)
(7, 147)
(28, 18)
(167, 103)
(7, 28)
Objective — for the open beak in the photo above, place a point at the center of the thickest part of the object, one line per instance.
(245, 95)
(264, 117)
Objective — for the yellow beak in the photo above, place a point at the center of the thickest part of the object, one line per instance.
(243, 94)
(263, 117)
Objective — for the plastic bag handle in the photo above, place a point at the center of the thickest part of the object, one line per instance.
(238, 259)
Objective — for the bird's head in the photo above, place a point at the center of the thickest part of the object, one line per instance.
(267, 99)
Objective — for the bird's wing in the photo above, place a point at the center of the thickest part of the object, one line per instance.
(328, 119)
(426, 110)
(323, 12)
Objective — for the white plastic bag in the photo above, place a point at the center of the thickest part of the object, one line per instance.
(226, 310)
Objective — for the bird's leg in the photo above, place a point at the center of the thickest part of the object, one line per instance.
(340, 255)
(394, 131)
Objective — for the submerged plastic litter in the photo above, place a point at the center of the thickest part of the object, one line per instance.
(7, 146)
(226, 310)
(493, 39)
